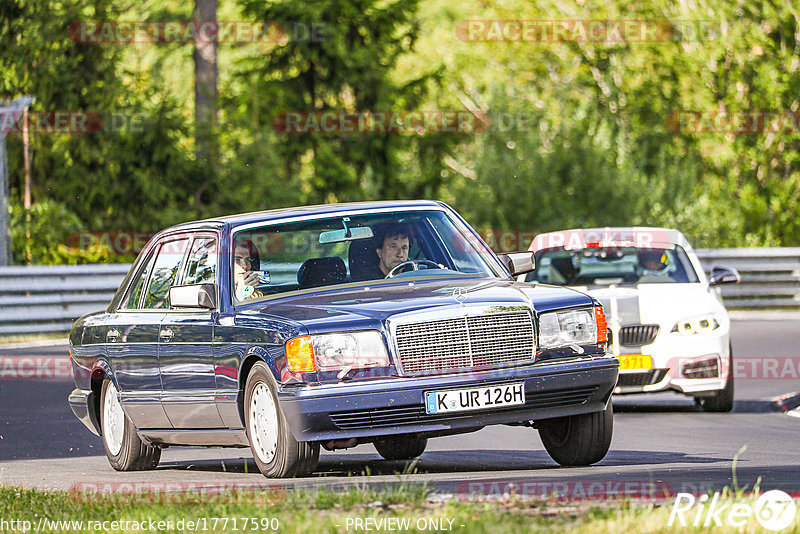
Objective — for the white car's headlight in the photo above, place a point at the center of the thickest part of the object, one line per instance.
(573, 327)
(353, 350)
(696, 325)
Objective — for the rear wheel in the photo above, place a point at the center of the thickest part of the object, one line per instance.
(125, 450)
(578, 439)
(401, 447)
(722, 401)
(276, 452)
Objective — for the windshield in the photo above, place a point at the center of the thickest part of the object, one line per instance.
(606, 266)
(325, 252)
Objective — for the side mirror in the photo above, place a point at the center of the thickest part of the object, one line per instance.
(723, 275)
(518, 262)
(194, 296)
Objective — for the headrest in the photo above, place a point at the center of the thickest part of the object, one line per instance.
(318, 272)
(363, 260)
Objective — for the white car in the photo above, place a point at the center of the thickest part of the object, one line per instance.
(666, 320)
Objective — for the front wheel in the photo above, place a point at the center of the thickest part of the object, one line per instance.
(124, 448)
(276, 452)
(722, 401)
(401, 447)
(578, 439)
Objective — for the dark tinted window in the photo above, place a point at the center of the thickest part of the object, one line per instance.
(167, 263)
(132, 302)
(201, 266)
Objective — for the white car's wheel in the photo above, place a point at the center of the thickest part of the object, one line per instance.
(578, 439)
(722, 401)
(125, 450)
(276, 452)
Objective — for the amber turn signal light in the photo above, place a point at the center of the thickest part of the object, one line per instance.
(602, 324)
(300, 355)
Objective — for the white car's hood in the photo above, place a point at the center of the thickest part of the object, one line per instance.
(655, 303)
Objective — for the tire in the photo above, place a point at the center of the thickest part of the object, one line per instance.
(125, 450)
(401, 447)
(578, 439)
(722, 401)
(276, 452)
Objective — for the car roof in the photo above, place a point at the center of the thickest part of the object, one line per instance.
(285, 213)
(637, 236)
(318, 209)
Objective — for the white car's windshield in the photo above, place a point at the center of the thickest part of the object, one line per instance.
(614, 265)
(278, 258)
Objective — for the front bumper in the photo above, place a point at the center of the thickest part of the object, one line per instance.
(670, 353)
(82, 403)
(397, 406)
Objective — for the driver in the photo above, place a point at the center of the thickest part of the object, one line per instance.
(654, 263)
(392, 243)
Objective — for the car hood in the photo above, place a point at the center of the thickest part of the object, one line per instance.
(369, 306)
(655, 303)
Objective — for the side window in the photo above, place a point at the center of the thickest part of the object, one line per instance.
(165, 270)
(132, 302)
(201, 266)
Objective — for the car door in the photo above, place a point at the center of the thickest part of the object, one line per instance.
(186, 353)
(131, 338)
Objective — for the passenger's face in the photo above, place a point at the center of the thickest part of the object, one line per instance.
(242, 262)
(393, 252)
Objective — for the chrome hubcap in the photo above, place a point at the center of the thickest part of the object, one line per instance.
(113, 421)
(264, 423)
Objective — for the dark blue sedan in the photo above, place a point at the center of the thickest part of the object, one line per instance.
(384, 322)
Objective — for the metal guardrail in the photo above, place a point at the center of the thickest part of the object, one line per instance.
(46, 299)
(770, 276)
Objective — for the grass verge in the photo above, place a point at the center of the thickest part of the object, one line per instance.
(397, 508)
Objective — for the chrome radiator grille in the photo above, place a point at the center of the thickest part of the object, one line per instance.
(638, 335)
(491, 339)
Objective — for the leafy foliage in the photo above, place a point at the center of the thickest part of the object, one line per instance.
(580, 132)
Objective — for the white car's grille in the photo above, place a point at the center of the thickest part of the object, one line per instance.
(487, 340)
(638, 335)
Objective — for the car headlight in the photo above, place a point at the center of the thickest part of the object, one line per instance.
(564, 328)
(330, 352)
(696, 325)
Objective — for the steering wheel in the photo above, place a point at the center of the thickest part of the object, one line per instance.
(414, 263)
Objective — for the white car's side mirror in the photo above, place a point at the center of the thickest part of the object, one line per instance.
(723, 275)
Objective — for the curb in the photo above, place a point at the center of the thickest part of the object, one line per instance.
(33, 344)
(764, 315)
(788, 404)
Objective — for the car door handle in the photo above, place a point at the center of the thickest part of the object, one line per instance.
(166, 334)
(112, 334)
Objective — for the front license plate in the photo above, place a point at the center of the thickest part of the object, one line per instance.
(462, 400)
(635, 361)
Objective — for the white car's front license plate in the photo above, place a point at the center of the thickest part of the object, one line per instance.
(461, 400)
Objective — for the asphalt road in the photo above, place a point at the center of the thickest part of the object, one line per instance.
(660, 441)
